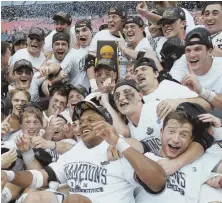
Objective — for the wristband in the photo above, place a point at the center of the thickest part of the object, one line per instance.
(37, 179)
(10, 176)
(28, 156)
(93, 84)
(207, 94)
(122, 145)
(90, 61)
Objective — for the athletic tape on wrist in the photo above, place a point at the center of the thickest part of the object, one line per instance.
(28, 156)
(6, 195)
(122, 145)
(10, 176)
(93, 84)
(207, 94)
(37, 179)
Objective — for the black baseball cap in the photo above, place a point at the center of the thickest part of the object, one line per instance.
(118, 11)
(83, 106)
(63, 16)
(18, 36)
(129, 82)
(79, 88)
(82, 23)
(173, 49)
(103, 27)
(144, 61)
(135, 19)
(37, 32)
(22, 63)
(172, 13)
(105, 63)
(203, 35)
(61, 36)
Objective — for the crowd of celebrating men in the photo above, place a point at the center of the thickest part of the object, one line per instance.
(83, 129)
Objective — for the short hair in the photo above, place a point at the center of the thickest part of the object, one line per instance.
(62, 91)
(210, 3)
(11, 93)
(31, 111)
(4, 47)
(180, 116)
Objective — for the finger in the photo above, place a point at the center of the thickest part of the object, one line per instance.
(57, 112)
(109, 153)
(115, 154)
(120, 34)
(7, 118)
(189, 68)
(160, 109)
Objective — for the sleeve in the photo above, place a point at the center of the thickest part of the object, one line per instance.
(217, 133)
(68, 62)
(93, 44)
(179, 69)
(48, 42)
(209, 162)
(58, 168)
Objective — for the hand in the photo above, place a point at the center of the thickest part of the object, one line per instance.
(55, 122)
(45, 87)
(191, 81)
(5, 126)
(167, 106)
(23, 142)
(62, 75)
(8, 158)
(39, 142)
(169, 166)
(205, 118)
(215, 182)
(113, 153)
(45, 70)
(106, 131)
(142, 8)
(107, 86)
(104, 100)
(3, 179)
(121, 42)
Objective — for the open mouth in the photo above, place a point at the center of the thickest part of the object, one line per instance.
(34, 46)
(124, 104)
(32, 131)
(194, 61)
(85, 132)
(173, 149)
(141, 79)
(24, 80)
(167, 31)
(82, 39)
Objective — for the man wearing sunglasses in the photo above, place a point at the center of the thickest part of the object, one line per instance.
(62, 22)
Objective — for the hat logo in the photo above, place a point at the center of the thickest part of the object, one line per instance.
(168, 13)
(181, 13)
(112, 10)
(174, 56)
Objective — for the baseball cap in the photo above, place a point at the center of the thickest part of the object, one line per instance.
(129, 82)
(135, 19)
(18, 36)
(79, 88)
(37, 31)
(60, 36)
(83, 106)
(172, 13)
(105, 63)
(144, 61)
(63, 16)
(118, 11)
(203, 35)
(103, 26)
(82, 23)
(158, 11)
(22, 63)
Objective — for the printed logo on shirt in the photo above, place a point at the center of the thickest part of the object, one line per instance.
(85, 177)
(149, 131)
(82, 64)
(153, 143)
(54, 155)
(177, 182)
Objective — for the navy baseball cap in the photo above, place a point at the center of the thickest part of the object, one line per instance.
(18, 36)
(61, 36)
(135, 19)
(172, 13)
(129, 82)
(22, 63)
(118, 11)
(83, 106)
(82, 23)
(105, 63)
(144, 61)
(63, 16)
(202, 34)
(37, 32)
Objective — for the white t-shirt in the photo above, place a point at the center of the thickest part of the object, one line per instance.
(88, 173)
(24, 54)
(48, 40)
(143, 45)
(177, 91)
(148, 129)
(184, 185)
(217, 39)
(190, 21)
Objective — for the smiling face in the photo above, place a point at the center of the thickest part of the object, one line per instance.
(60, 49)
(61, 26)
(146, 78)
(83, 36)
(73, 98)
(88, 134)
(23, 77)
(115, 24)
(197, 57)
(174, 28)
(57, 101)
(31, 125)
(155, 30)
(176, 138)
(34, 45)
(133, 33)
(127, 99)
(212, 18)
(18, 100)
